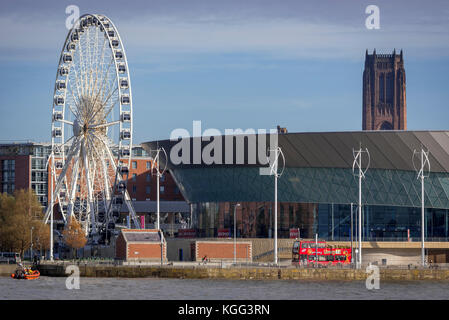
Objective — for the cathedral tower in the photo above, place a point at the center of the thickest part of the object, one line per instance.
(384, 104)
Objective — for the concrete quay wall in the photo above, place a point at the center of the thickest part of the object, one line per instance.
(7, 269)
(256, 273)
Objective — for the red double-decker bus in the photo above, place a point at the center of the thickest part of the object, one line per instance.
(308, 252)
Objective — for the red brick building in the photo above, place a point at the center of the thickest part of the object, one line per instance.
(25, 165)
(140, 245)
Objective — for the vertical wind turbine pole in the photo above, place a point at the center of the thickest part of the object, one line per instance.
(424, 162)
(158, 196)
(276, 208)
(51, 207)
(422, 210)
(159, 174)
(274, 165)
(352, 252)
(360, 174)
(360, 211)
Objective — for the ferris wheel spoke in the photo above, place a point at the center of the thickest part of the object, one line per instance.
(74, 111)
(99, 93)
(80, 67)
(77, 84)
(104, 105)
(107, 124)
(99, 66)
(112, 104)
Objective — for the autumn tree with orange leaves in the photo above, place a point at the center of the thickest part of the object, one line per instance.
(74, 235)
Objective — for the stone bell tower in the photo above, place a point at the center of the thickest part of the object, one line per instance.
(384, 104)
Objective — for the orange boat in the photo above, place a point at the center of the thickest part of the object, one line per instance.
(29, 275)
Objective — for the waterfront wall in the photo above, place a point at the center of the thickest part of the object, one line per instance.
(7, 269)
(250, 273)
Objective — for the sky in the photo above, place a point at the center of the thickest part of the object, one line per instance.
(232, 64)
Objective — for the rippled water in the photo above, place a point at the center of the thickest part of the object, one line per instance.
(203, 289)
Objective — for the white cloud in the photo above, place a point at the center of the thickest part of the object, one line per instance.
(148, 38)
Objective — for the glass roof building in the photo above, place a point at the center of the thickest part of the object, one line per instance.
(318, 184)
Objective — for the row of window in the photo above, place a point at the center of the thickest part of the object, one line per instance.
(8, 165)
(8, 188)
(8, 176)
(148, 177)
(148, 189)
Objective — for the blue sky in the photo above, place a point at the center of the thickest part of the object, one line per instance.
(229, 64)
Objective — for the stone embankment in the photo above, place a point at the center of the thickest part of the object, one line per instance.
(7, 269)
(244, 273)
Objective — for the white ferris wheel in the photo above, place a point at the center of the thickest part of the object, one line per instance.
(91, 128)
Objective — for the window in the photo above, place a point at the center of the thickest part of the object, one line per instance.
(162, 189)
(134, 177)
(148, 164)
(148, 177)
(134, 189)
(148, 189)
(134, 164)
(163, 178)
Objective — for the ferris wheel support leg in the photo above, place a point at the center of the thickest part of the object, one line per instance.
(72, 151)
(73, 189)
(91, 212)
(131, 211)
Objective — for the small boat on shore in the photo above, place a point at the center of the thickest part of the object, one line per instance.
(28, 275)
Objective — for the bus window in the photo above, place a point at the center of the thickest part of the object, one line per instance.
(330, 258)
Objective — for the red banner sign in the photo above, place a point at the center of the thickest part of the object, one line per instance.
(294, 233)
(186, 233)
(224, 233)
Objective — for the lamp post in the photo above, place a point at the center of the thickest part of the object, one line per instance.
(31, 247)
(352, 252)
(235, 233)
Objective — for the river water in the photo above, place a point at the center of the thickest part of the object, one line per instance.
(204, 289)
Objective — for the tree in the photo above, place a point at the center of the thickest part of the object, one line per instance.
(19, 214)
(7, 204)
(74, 235)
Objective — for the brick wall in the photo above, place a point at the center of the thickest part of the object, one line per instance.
(120, 247)
(223, 250)
(146, 251)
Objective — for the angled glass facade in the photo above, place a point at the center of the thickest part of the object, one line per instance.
(318, 186)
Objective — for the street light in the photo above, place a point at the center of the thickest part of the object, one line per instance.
(31, 248)
(235, 240)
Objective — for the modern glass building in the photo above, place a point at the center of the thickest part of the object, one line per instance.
(318, 185)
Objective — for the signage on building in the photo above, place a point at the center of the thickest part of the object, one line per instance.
(224, 233)
(294, 233)
(186, 233)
